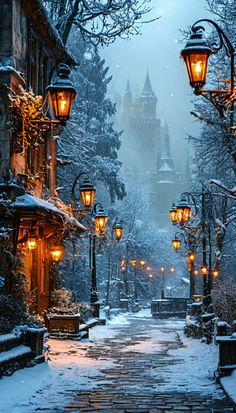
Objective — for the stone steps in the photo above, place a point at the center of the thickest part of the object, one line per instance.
(16, 357)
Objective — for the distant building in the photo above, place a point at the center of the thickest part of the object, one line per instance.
(146, 153)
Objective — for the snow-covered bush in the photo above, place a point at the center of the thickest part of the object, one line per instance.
(224, 299)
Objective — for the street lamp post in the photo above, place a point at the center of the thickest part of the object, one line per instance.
(87, 193)
(100, 220)
(196, 54)
(183, 216)
(162, 271)
(116, 235)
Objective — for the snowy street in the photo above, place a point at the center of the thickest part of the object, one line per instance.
(133, 364)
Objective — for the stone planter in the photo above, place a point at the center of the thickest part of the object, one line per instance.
(58, 324)
(227, 354)
(34, 340)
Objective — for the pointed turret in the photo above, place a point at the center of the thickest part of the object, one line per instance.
(127, 99)
(148, 99)
(147, 88)
(165, 162)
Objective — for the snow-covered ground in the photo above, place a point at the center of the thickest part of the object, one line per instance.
(69, 369)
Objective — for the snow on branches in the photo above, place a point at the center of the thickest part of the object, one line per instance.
(25, 108)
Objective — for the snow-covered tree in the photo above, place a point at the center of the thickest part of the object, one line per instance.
(215, 148)
(99, 21)
(90, 142)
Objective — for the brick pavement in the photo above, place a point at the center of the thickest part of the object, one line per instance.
(129, 386)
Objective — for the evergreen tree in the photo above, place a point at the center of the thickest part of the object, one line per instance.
(90, 142)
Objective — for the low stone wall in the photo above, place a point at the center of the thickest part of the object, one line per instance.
(169, 307)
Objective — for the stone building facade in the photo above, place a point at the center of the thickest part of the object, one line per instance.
(30, 50)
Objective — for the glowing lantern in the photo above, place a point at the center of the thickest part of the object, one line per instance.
(204, 270)
(215, 273)
(100, 220)
(183, 210)
(172, 269)
(195, 55)
(162, 269)
(57, 252)
(118, 231)
(195, 271)
(197, 298)
(32, 241)
(87, 193)
(142, 262)
(133, 263)
(173, 214)
(176, 244)
(61, 94)
(191, 256)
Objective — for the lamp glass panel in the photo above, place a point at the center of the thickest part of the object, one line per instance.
(191, 257)
(196, 64)
(61, 103)
(186, 214)
(173, 215)
(204, 270)
(118, 232)
(32, 243)
(176, 244)
(87, 198)
(56, 255)
(100, 223)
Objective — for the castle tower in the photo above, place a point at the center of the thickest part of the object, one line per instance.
(142, 128)
(148, 99)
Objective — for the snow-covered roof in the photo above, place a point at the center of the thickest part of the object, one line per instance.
(37, 15)
(30, 203)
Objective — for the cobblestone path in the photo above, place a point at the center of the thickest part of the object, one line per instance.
(141, 382)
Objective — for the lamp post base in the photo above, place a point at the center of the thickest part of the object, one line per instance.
(96, 309)
(95, 304)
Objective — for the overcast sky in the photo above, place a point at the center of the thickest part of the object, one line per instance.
(158, 49)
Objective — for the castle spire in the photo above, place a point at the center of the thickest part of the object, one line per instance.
(127, 100)
(147, 88)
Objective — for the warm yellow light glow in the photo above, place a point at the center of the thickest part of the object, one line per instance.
(150, 275)
(142, 262)
(172, 269)
(57, 252)
(118, 232)
(195, 271)
(197, 298)
(32, 243)
(87, 198)
(176, 244)
(61, 103)
(183, 214)
(162, 269)
(204, 270)
(191, 256)
(196, 65)
(56, 255)
(173, 214)
(100, 223)
(133, 263)
(215, 273)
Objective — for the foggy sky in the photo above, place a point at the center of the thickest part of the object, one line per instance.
(158, 49)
